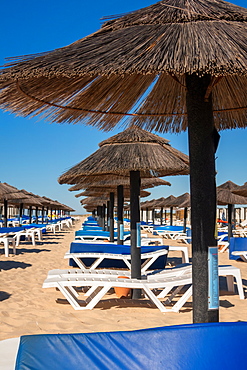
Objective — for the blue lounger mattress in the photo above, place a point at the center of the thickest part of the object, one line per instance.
(118, 249)
(211, 346)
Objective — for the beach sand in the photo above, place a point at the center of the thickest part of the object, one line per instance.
(26, 308)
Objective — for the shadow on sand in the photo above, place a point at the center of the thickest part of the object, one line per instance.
(4, 296)
(8, 265)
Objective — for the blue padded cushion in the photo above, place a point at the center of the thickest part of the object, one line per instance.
(118, 249)
(237, 244)
(211, 346)
(94, 232)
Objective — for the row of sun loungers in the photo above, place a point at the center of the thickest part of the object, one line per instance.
(11, 237)
(168, 288)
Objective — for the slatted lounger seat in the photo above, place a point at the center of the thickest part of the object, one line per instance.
(101, 285)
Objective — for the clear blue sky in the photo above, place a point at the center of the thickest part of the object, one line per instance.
(34, 153)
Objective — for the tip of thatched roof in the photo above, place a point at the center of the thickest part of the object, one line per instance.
(134, 134)
(179, 11)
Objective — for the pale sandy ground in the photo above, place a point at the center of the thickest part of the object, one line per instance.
(26, 308)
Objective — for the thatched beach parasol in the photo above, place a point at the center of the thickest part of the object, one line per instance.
(133, 149)
(10, 194)
(148, 47)
(226, 196)
(169, 66)
(183, 201)
(240, 190)
(120, 184)
(97, 192)
(114, 181)
(135, 153)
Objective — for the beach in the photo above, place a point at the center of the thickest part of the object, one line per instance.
(27, 308)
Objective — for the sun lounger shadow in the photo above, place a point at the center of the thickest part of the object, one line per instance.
(8, 265)
(225, 303)
(4, 295)
(31, 250)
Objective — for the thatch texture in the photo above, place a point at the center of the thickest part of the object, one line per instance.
(182, 201)
(113, 181)
(241, 190)
(100, 78)
(225, 194)
(145, 155)
(166, 202)
(11, 193)
(100, 191)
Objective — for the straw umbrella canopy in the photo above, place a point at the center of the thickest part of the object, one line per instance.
(241, 190)
(113, 182)
(98, 192)
(148, 47)
(120, 184)
(136, 153)
(12, 195)
(225, 196)
(133, 149)
(183, 201)
(200, 84)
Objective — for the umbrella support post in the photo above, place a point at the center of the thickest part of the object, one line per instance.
(171, 216)
(203, 140)
(111, 215)
(135, 182)
(5, 212)
(185, 218)
(103, 217)
(30, 214)
(120, 204)
(229, 211)
(161, 215)
(108, 216)
(21, 213)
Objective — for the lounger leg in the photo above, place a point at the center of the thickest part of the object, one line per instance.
(6, 247)
(179, 304)
(230, 283)
(69, 296)
(238, 278)
(155, 300)
(164, 292)
(13, 245)
(90, 291)
(96, 298)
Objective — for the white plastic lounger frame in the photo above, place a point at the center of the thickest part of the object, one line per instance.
(149, 257)
(102, 285)
(241, 254)
(8, 239)
(230, 272)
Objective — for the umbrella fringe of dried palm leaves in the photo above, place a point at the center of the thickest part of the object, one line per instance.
(113, 181)
(149, 154)
(92, 81)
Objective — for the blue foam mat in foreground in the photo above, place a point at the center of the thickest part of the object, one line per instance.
(183, 347)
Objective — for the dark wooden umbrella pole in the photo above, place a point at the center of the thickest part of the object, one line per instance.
(108, 215)
(161, 215)
(103, 217)
(171, 216)
(120, 204)
(202, 148)
(5, 208)
(185, 218)
(111, 215)
(134, 219)
(229, 211)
